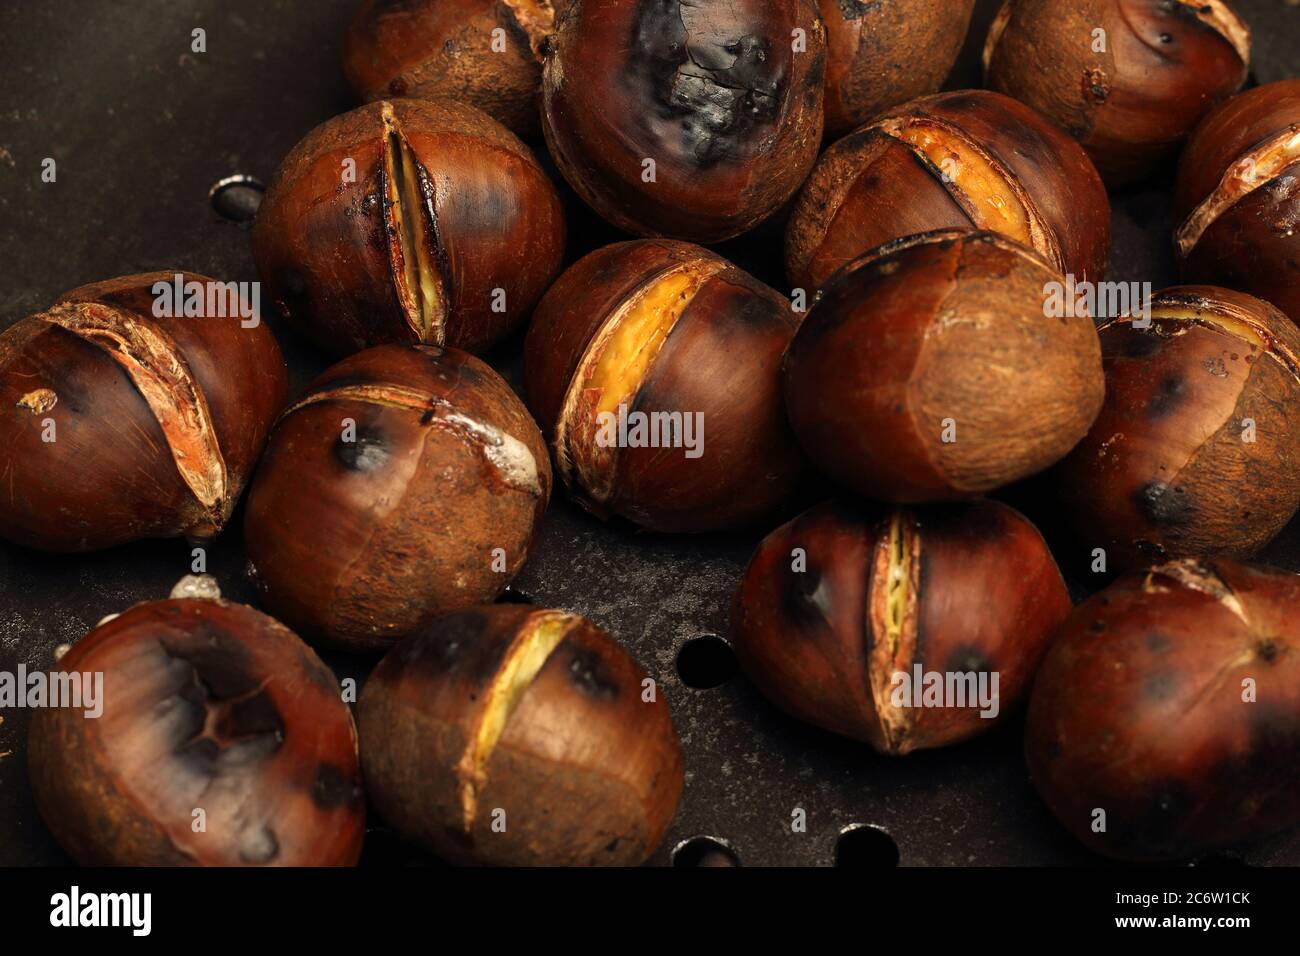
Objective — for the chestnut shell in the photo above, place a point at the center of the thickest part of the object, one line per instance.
(713, 93)
(358, 542)
(935, 337)
(489, 219)
(1166, 470)
(871, 187)
(584, 771)
(206, 705)
(1164, 66)
(1139, 710)
(722, 360)
(157, 420)
(987, 597)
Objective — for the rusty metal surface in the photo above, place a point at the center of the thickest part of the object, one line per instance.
(141, 129)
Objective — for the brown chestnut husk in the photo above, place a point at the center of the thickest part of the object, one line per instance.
(1165, 721)
(670, 339)
(486, 53)
(970, 159)
(929, 369)
(1238, 197)
(881, 54)
(223, 741)
(1129, 79)
(847, 605)
(407, 481)
(406, 222)
(692, 121)
(118, 424)
(1195, 451)
(516, 736)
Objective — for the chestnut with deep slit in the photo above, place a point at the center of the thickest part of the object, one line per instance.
(539, 635)
(411, 228)
(892, 606)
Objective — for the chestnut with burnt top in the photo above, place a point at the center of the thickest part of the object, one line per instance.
(841, 606)
(1129, 79)
(929, 370)
(1238, 197)
(408, 222)
(674, 334)
(965, 160)
(689, 120)
(1197, 447)
(407, 481)
(1171, 702)
(881, 54)
(213, 713)
(486, 53)
(118, 424)
(517, 736)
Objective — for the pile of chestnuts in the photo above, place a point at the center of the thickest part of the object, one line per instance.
(852, 416)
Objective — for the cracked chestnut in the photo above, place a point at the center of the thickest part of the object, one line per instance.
(1196, 450)
(1238, 197)
(845, 610)
(1165, 721)
(881, 54)
(930, 369)
(117, 424)
(1130, 94)
(966, 160)
(407, 481)
(689, 120)
(486, 53)
(408, 222)
(223, 741)
(510, 735)
(654, 368)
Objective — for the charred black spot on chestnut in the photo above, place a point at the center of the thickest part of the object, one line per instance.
(1162, 686)
(365, 452)
(1165, 504)
(1170, 394)
(1157, 641)
(332, 788)
(588, 674)
(1143, 343)
(968, 659)
(1098, 627)
(1267, 650)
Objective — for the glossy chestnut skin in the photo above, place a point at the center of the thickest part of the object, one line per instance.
(482, 230)
(986, 154)
(929, 370)
(447, 50)
(720, 361)
(713, 93)
(358, 534)
(1237, 197)
(981, 594)
(457, 734)
(1166, 63)
(206, 705)
(1171, 467)
(157, 420)
(1141, 709)
(881, 54)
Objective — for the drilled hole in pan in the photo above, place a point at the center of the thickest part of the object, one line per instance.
(705, 851)
(513, 595)
(237, 198)
(706, 661)
(865, 845)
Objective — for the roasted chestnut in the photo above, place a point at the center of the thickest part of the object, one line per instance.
(220, 740)
(904, 629)
(1165, 721)
(482, 52)
(881, 54)
(654, 368)
(1129, 79)
(965, 160)
(133, 408)
(930, 369)
(689, 120)
(407, 481)
(408, 222)
(511, 735)
(1197, 447)
(1238, 197)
